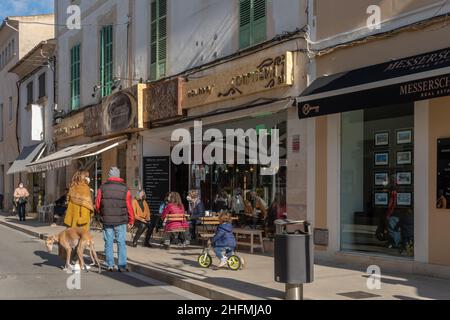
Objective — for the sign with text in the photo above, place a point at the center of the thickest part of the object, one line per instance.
(156, 180)
(254, 74)
(443, 174)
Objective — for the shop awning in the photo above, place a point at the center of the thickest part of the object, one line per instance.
(405, 80)
(65, 156)
(27, 156)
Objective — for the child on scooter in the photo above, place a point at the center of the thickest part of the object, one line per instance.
(224, 239)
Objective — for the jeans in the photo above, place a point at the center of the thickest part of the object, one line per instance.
(154, 223)
(193, 229)
(120, 234)
(394, 234)
(21, 211)
(219, 252)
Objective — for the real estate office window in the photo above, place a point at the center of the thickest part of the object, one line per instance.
(158, 39)
(252, 22)
(106, 60)
(75, 76)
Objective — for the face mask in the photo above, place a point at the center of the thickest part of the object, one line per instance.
(88, 180)
(189, 199)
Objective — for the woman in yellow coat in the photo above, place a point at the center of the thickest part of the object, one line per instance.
(80, 204)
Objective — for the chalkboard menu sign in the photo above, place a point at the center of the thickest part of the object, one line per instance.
(156, 180)
(443, 175)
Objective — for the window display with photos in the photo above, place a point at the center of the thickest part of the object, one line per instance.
(377, 187)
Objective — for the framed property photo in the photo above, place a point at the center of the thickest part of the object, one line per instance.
(404, 157)
(404, 199)
(381, 179)
(404, 178)
(382, 139)
(381, 199)
(404, 136)
(382, 158)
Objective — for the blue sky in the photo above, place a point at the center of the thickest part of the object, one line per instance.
(24, 7)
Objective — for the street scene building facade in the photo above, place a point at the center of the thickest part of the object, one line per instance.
(356, 97)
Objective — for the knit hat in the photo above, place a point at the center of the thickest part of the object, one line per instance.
(114, 172)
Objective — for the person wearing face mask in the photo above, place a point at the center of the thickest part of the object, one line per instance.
(21, 195)
(196, 211)
(80, 207)
(141, 217)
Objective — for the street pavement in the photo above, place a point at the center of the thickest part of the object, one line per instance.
(28, 271)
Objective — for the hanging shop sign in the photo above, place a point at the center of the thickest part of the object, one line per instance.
(93, 121)
(443, 174)
(253, 74)
(401, 81)
(69, 128)
(163, 101)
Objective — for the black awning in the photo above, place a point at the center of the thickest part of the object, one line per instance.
(410, 79)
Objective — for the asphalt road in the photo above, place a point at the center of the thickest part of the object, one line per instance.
(28, 271)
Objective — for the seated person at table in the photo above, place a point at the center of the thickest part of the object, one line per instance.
(176, 225)
(196, 211)
(224, 239)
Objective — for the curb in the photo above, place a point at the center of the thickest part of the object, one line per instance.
(208, 292)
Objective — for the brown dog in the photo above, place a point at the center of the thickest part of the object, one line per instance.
(71, 239)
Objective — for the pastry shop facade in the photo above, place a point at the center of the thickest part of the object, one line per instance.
(95, 138)
(254, 93)
(379, 175)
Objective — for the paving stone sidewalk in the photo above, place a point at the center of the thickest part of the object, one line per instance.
(179, 267)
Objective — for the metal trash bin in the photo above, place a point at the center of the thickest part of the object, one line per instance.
(293, 257)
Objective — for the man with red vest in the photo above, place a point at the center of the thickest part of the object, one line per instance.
(114, 203)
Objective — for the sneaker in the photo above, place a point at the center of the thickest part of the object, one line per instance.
(124, 270)
(223, 263)
(110, 269)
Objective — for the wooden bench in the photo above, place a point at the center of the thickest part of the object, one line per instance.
(252, 233)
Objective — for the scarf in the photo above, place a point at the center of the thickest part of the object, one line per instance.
(80, 195)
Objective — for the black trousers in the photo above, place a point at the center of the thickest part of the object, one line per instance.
(154, 223)
(21, 211)
(141, 227)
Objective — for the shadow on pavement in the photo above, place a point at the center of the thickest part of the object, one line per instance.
(226, 283)
(49, 259)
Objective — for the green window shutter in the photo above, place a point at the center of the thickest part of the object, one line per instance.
(245, 25)
(75, 76)
(106, 60)
(259, 23)
(252, 22)
(158, 39)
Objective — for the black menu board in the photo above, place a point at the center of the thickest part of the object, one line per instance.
(156, 180)
(443, 174)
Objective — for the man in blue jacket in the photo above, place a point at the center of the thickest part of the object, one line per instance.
(224, 239)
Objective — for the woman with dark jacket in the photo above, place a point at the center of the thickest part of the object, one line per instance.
(196, 211)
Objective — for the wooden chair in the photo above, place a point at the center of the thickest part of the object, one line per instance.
(170, 218)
